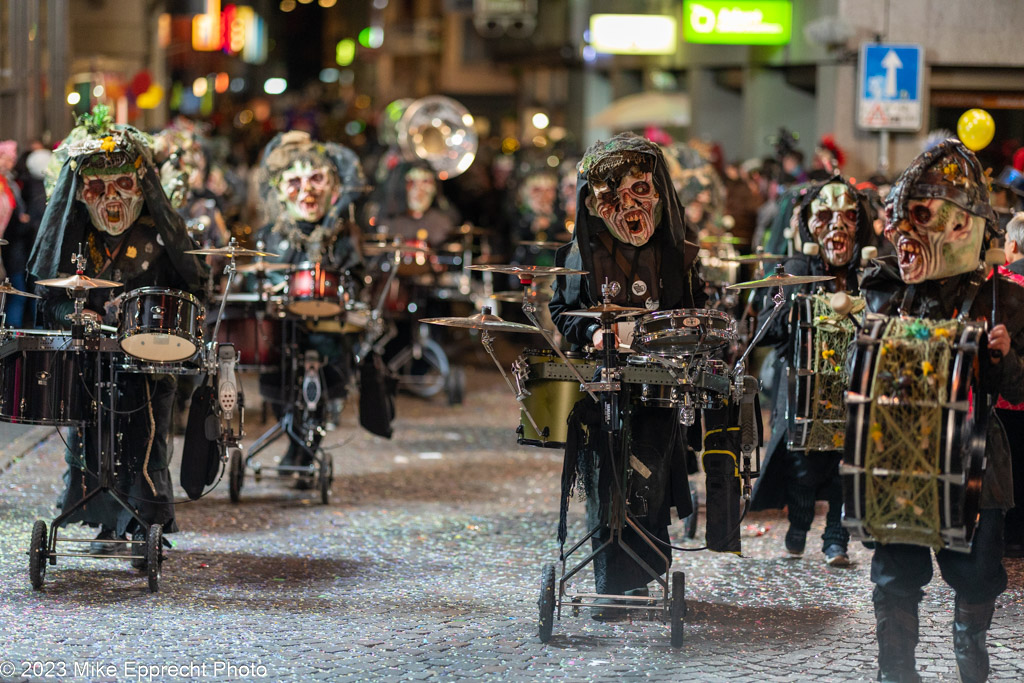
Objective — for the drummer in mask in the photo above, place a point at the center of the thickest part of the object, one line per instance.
(833, 221)
(307, 188)
(631, 233)
(938, 218)
(107, 200)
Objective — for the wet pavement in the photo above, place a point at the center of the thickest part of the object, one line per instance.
(427, 565)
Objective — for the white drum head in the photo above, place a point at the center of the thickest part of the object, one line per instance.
(158, 347)
(315, 308)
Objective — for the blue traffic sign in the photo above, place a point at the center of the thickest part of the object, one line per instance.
(890, 87)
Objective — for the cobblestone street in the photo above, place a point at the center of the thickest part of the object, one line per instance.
(427, 565)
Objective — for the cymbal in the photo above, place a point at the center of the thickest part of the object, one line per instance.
(529, 271)
(482, 321)
(753, 258)
(614, 310)
(467, 229)
(378, 248)
(781, 280)
(514, 296)
(262, 267)
(720, 239)
(542, 245)
(78, 282)
(231, 251)
(3, 243)
(6, 288)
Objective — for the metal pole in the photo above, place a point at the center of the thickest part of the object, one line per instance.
(883, 152)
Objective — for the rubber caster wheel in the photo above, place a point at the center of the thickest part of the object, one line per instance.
(37, 553)
(455, 385)
(325, 479)
(677, 607)
(139, 549)
(576, 602)
(546, 603)
(154, 546)
(236, 475)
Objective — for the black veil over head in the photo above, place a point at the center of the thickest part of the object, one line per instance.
(96, 141)
(606, 160)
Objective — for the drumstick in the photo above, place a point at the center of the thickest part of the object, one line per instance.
(995, 257)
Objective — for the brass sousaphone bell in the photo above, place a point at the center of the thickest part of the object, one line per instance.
(440, 131)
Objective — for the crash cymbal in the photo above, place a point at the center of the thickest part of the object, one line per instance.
(753, 258)
(514, 296)
(482, 321)
(614, 310)
(378, 248)
(78, 282)
(541, 245)
(529, 271)
(231, 251)
(6, 288)
(780, 278)
(262, 267)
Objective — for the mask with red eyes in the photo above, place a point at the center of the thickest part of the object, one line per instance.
(833, 223)
(630, 209)
(937, 239)
(114, 201)
(307, 190)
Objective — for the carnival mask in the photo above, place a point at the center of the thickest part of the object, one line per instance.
(114, 200)
(631, 210)
(938, 239)
(307, 190)
(420, 190)
(539, 194)
(833, 223)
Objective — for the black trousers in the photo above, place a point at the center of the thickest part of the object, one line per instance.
(1013, 423)
(903, 570)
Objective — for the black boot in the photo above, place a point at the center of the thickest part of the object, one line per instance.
(896, 625)
(970, 622)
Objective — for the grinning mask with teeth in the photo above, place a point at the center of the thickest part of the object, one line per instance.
(307, 190)
(833, 223)
(629, 205)
(114, 200)
(937, 212)
(936, 240)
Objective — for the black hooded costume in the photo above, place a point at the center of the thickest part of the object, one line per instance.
(797, 478)
(899, 571)
(150, 253)
(666, 264)
(333, 241)
(393, 215)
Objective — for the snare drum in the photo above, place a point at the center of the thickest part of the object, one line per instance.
(315, 291)
(160, 325)
(553, 391)
(41, 381)
(915, 441)
(818, 373)
(684, 332)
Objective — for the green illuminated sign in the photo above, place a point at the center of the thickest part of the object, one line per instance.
(740, 22)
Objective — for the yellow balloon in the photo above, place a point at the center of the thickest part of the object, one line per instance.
(975, 129)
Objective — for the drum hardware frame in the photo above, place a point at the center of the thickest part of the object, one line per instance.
(530, 309)
(519, 372)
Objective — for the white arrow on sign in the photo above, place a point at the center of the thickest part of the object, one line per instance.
(891, 63)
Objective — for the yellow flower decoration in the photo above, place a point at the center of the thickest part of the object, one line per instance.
(108, 145)
(941, 332)
(884, 350)
(827, 353)
(876, 434)
(837, 440)
(138, 162)
(927, 368)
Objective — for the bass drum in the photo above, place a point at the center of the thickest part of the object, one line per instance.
(915, 441)
(41, 381)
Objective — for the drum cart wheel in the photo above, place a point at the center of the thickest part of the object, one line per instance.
(546, 603)
(154, 543)
(422, 368)
(236, 475)
(37, 555)
(677, 609)
(325, 477)
(455, 385)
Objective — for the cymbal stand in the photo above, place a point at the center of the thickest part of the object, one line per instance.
(530, 309)
(618, 451)
(778, 299)
(519, 388)
(375, 325)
